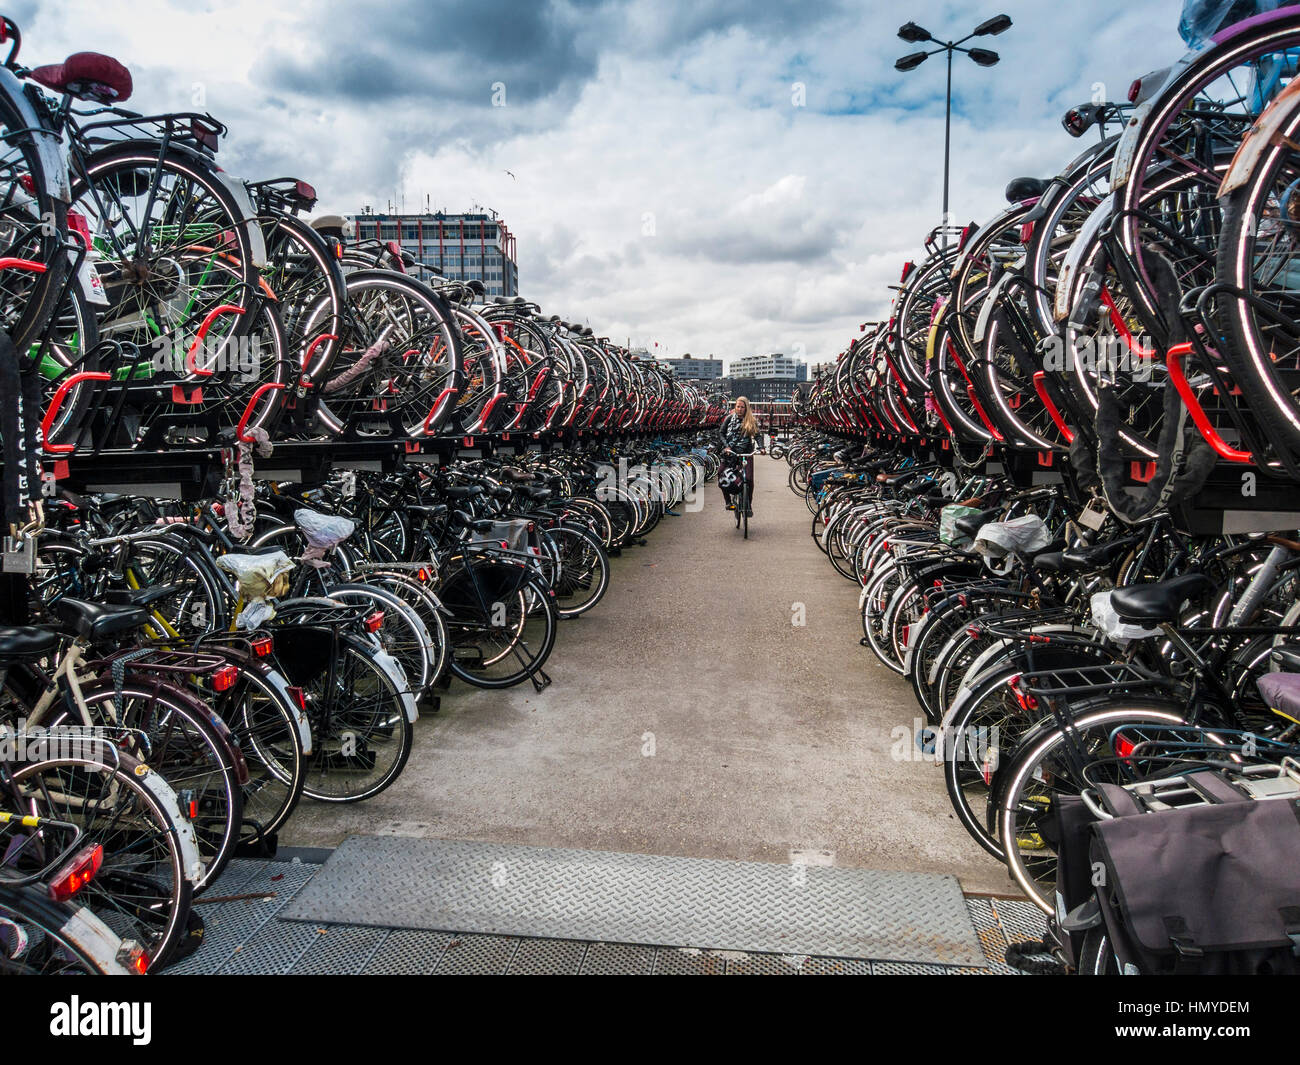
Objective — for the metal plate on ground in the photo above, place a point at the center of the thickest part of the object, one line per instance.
(508, 889)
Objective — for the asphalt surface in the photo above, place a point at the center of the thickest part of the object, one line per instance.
(690, 715)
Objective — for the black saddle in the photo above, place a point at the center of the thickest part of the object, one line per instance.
(1160, 601)
(970, 524)
(93, 621)
(25, 640)
(1097, 556)
(1025, 188)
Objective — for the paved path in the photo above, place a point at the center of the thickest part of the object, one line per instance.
(689, 716)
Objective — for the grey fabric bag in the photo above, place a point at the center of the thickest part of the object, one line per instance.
(1202, 889)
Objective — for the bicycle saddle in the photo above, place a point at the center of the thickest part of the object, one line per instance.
(87, 76)
(140, 596)
(970, 524)
(94, 620)
(1159, 601)
(17, 642)
(1025, 188)
(1098, 556)
(1049, 562)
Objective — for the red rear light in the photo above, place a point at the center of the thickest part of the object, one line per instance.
(423, 574)
(28, 184)
(1133, 90)
(1026, 701)
(973, 631)
(299, 697)
(907, 269)
(224, 678)
(374, 621)
(1124, 747)
(263, 646)
(133, 957)
(77, 873)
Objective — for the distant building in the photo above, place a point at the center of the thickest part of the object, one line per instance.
(691, 369)
(773, 367)
(463, 246)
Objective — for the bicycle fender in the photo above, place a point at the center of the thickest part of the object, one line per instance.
(48, 145)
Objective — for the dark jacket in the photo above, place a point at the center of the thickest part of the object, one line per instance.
(734, 436)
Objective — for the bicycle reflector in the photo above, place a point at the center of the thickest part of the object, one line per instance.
(298, 696)
(77, 873)
(133, 956)
(374, 621)
(224, 678)
(263, 646)
(1026, 701)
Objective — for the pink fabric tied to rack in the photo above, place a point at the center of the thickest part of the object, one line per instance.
(356, 369)
(241, 512)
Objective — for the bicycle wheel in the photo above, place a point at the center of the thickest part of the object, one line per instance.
(1046, 768)
(265, 725)
(176, 248)
(403, 633)
(578, 571)
(502, 624)
(143, 888)
(39, 937)
(398, 370)
(181, 744)
(27, 296)
(361, 735)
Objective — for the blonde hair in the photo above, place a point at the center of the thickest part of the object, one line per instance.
(747, 424)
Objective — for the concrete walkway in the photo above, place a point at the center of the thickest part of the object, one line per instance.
(690, 716)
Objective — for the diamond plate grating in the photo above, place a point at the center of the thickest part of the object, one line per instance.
(475, 955)
(631, 898)
(836, 967)
(895, 968)
(992, 938)
(548, 957)
(618, 959)
(765, 965)
(408, 953)
(227, 926)
(1020, 921)
(339, 949)
(685, 961)
(272, 950)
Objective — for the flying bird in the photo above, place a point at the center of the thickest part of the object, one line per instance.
(512, 176)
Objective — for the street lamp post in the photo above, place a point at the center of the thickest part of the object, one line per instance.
(914, 34)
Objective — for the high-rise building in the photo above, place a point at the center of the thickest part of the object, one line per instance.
(462, 246)
(773, 367)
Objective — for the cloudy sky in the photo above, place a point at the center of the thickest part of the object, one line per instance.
(716, 176)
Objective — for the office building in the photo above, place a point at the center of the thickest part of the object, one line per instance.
(462, 246)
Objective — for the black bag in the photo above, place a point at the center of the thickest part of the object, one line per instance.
(1212, 889)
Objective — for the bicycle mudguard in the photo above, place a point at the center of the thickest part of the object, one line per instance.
(48, 145)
